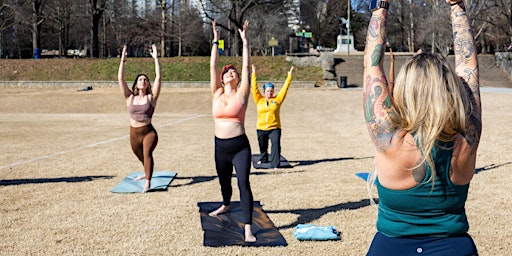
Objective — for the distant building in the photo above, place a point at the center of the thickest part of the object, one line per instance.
(292, 10)
(293, 13)
(143, 7)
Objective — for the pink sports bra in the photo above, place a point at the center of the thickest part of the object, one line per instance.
(141, 113)
(231, 111)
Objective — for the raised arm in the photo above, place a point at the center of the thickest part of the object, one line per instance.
(282, 93)
(244, 90)
(214, 73)
(120, 75)
(376, 96)
(158, 78)
(256, 94)
(466, 66)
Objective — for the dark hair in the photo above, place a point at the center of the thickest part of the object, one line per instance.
(134, 86)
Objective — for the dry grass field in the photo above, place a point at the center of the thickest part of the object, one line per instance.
(63, 150)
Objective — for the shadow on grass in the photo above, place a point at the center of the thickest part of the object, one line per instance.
(311, 162)
(52, 180)
(201, 179)
(490, 167)
(275, 172)
(194, 180)
(310, 215)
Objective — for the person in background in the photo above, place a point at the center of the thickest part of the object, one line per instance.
(141, 101)
(425, 140)
(230, 96)
(268, 125)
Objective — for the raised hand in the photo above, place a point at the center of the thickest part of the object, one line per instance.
(123, 54)
(243, 31)
(215, 31)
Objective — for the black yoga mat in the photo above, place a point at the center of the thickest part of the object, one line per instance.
(228, 228)
(283, 163)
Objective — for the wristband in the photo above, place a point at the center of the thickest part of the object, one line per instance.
(215, 42)
(457, 3)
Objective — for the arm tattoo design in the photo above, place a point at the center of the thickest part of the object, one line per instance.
(465, 54)
(378, 108)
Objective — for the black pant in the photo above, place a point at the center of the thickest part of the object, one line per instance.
(275, 151)
(460, 245)
(229, 153)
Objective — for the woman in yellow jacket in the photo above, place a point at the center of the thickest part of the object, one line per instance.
(268, 125)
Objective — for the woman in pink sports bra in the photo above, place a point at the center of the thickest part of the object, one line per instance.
(141, 102)
(232, 148)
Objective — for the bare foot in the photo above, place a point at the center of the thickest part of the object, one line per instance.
(249, 237)
(147, 186)
(221, 210)
(140, 177)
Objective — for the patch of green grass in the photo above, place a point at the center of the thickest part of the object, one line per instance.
(173, 69)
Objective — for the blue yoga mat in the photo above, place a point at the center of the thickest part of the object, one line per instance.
(363, 175)
(159, 181)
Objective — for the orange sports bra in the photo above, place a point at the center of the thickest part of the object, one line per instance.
(231, 111)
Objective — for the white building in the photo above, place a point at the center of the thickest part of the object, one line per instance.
(293, 13)
(143, 7)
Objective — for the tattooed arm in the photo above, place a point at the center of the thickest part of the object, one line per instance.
(466, 66)
(376, 96)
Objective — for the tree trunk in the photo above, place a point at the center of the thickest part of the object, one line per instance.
(97, 9)
(37, 6)
(163, 6)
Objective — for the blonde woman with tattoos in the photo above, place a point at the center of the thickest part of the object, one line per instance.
(426, 141)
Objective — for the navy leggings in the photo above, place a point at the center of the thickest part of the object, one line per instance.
(433, 246)
(229, 153)
(275, 151)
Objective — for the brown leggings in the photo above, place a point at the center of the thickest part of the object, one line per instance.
(143, 141)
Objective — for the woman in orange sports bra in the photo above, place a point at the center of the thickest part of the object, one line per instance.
(232, 148)
(141, 102)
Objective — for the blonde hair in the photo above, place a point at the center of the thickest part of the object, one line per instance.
(431, 102)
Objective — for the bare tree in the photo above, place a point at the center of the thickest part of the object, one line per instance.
(36, 21)
(8, 10)
(188, 33)
(97, 8)
(235, 12)
(271, 23)
(164, 9)
(493, 23)
(59, 14)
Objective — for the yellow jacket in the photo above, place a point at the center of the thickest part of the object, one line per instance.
(268, 114)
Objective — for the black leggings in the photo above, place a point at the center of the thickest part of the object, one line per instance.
(275, 151)
(143, 141)
(229, 153)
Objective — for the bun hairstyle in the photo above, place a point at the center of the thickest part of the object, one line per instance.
(225, 69)
(135, 90)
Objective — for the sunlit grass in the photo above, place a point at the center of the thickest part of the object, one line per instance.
(173, 69)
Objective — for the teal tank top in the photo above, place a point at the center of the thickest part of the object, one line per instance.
(421, 210)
